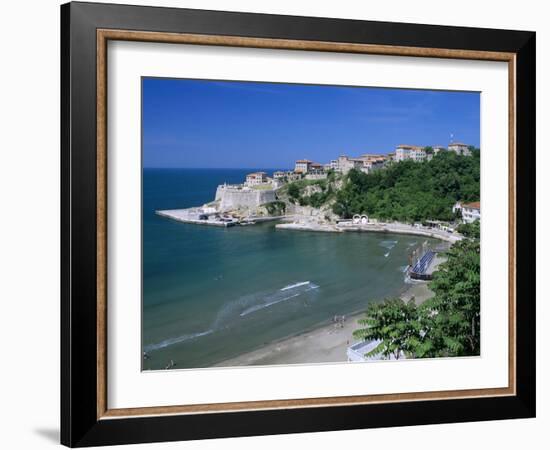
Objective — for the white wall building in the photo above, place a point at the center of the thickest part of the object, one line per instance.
(293, 176)
(302, 166)
(418, 154)
(460, 149)
(333, 164)
(345, 164)
(316, 168)
(373, 161)
(256, 178)
(470, 211)
(371, 165)
(413, 152)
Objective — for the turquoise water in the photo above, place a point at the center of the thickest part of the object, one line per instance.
(212, 293)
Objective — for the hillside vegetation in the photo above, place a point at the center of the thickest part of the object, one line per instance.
(409, 191)
(315, 193)
(448, 324)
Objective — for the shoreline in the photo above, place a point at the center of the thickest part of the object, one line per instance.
(304, 223)
(326, 343)
(392, 228)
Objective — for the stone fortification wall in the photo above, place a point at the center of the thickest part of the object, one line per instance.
(231, 197)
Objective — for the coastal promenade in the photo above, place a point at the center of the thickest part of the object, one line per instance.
(393, 227)
(303, 223)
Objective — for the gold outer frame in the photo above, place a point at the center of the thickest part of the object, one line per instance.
(103, 36)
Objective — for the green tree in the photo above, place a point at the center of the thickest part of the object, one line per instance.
(448, 324)
(451, 319)
(293, 191)
(276, 208)
(470, 230)
(411, 191)
(393, 322)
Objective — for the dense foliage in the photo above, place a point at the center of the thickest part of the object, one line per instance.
(276, 208)
(410, 191)
(324, 191)
(448, 324)
(451, 319)
(393, 322)
(469, 229)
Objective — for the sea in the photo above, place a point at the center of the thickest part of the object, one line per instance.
(211, 293)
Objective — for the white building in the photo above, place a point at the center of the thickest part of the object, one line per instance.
(302, 166)
(345, 164)
(402, 152)
(412, 152)
(316, 172)
(293, 176)
(439, 148)
(470, 211)
(256, 178)
(460, 149)
(370, 165)
(332, 165)
(278, 175)
(316, 175)
(373, 161)
(418, 154)
(316, 168)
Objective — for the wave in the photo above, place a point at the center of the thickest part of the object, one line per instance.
(295, 285)
(273, 299)
(176, 340)
(232, 311)
(386, 254)
(255, 308)
(388, 244)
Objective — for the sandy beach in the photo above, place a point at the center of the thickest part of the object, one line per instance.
(327, 343)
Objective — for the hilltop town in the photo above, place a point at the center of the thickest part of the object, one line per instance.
(315, 196)
(366, 163)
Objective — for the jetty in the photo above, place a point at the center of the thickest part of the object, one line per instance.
(200, 216)
(196, 216)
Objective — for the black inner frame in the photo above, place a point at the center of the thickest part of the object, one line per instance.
(79, 423)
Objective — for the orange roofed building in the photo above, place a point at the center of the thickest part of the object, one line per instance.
(470, 211)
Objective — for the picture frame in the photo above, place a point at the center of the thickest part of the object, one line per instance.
(86, 418)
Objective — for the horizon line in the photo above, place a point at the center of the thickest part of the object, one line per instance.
(218, 168)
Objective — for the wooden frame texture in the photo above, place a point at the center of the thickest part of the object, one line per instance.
(86, 418)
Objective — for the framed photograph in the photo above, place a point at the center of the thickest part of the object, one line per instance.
(276, 224)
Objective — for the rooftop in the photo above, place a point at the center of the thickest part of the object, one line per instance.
(473, 205)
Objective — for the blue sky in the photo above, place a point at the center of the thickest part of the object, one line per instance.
(226, 124)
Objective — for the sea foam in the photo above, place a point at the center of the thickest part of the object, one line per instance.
(176, 340)
(295, 289)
